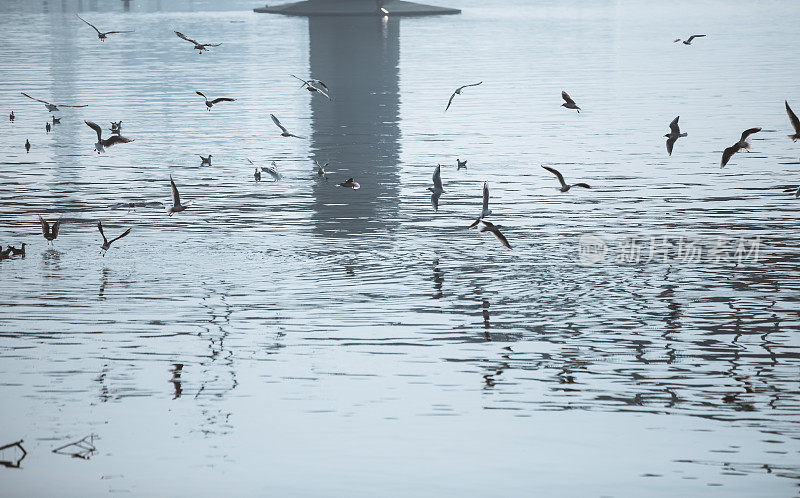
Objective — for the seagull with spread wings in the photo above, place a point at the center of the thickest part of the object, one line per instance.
(437, 190)
(568, 102)
(795, 122)
(689, 40)
(284, 131)
(176, 207)
(311, 86)
(487, 226)
(485, 211)
(101, 144)
(674, 134)
(458, 92)
(321, 173)
(272, 170)
(52, 107)
(210, 103)
(197, 45)
(742, 144)
(102, 34)
(564, 185)
(107, 243)
(50, 232)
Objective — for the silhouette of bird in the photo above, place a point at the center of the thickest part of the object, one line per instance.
(50, 232)
(257, 175)
(284, 131)
(270, 170)
(564, 185)
(101, 144)
(47, 127)
(688, 41)
(100, 34)
(461, 164)
(437, 190)
(52, 107)
(210, 103)
(205, 161)
(485, 211)
(568, 102)
(321, 170)
(350, 183)
(487, 226)
(56, 120)
(116, 127)
(674, 134)
(311, 87)
(17, 252)
(742, 144)
(27, 146)
(197, 45)
(795, 122)
(11, 116)
(107, 243)
(176, 207)
(458, 92)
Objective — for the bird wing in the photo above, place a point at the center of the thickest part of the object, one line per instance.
(116, 139)
(65, 105)
(748, 132)
(450, 101)
(693, 37)
(437, 178)
(222, 99)
(496, 232)
(472, 84)
(37, 100)
(676, 40)
(126, 232)
(305, 83)
(792, 117)
(90, 24)
(278, 123)
(670, 143)
(435, 200)
(55, 228)
(96, 128)
(323, 85)
(181, 35)
(100, 227)
(211, 44)
(485, 196)
(322, 92)
(558, 175)
(198, 92)
(176, 198)
(728, 153)
(584, 185)
(116, 32)
(249, 161)
(475, 223)
(673, 126)
(45, 226)
(567, 98)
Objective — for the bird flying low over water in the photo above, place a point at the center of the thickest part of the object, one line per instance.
(568, 102)
(284, 131)
(485, 211)
(564, 185)
(176, 207)
(197, 45)
(674, 134)
(271, 170)
(689, 40)
(101, 144)
(321, 170)
(311, 86)
(437, 190)
(742, 144)
(350, 183)
(210, 103)
(52, 107)
(50, 232)
(107, 243)
(795, 122)
(458, 92)
(487, 226)
(100, 34)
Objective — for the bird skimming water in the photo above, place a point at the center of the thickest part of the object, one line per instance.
(176, 207)
(50, 232)
(568, 102)
(742, 144)
(437, 190)
(487, 226)
(101, 144)
(197, 45)
(52, 107)
(795, 122)
(350, 183)
(107, 243)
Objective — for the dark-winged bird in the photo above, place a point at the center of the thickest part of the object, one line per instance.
(101, 34)
(101, 144)
(795, 122)
(197, 45)
(51, 107)
(564, 185)
(107, 243)
(689, 40)
(488, 226)
(210, 103)
(458, 92)
(674, 134)
(568, 102)
(50, 232)
(742, 144)
(284, 131)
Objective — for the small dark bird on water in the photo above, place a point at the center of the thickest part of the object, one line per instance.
(742, 144)
(5, 254)
(107, 243)
(568, 102)
(56, 120)
(350, 183)
(17, 252)
(11, 116)
(674, 134)
(50, 232)
(461, 164)
(795, 122)
(100, 34)
(210, 103)
(564, 185)
(197, 45)
(205, 161)
(100, 145)
(257, 175)
(27, 145)
(689, 40)
(47, 127)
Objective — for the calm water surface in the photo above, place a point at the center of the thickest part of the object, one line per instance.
(299, 339)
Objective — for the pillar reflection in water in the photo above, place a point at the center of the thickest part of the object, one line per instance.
(358, 131)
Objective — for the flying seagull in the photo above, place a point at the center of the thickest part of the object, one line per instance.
(458, 92)
(674, 134)
(564, 185)
(271, 170)
(197, 45)
(568, 102)
(311, 86)
(100, 34)
(107, 243)
(795, 122)
(437, 190)
(284, 131)
(689, 41)
(461, 164)
(51, 107)
(176, 207)
(350, 183)
(101, 144)
(488, 226)
(205, 161)
(321, 170)
(742, 144)
(210, 103)
(485, 211)
(50, 233)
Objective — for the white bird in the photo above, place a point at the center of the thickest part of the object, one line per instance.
(210, 103)
(205, 161)
(321, 170)
(688, 41)
(674, 134)
(101, 144)
(485, 211)
(101, 34)
(52, 107)
(176, 207)
(284, 131)
(350, 183)
(487, 226)
(564, 185)
(272, 170)
(437, 190)
(197, 45)
(742, 144)
(107, 243)
(311, 86)
(458, 92)
(568, 102)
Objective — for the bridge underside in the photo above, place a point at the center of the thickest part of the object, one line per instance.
(356, 8)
